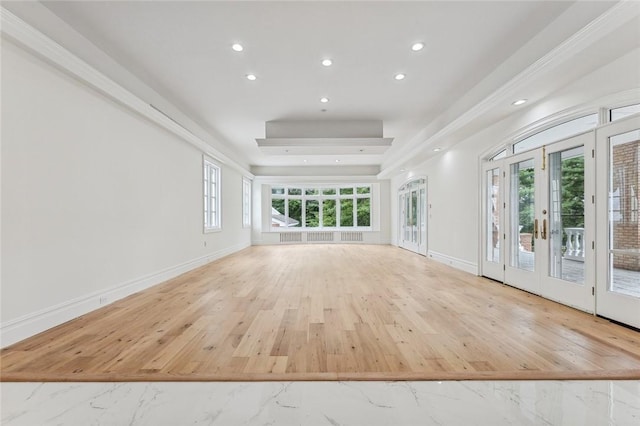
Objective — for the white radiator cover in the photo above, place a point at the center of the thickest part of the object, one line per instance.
(291, 237)
(351, 236)
(323, 236)
(331, 237)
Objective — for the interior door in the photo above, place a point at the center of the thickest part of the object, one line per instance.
(618, 233)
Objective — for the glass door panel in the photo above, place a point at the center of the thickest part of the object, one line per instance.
(407, 218)
(624, 227)
(493, 231)
(522, 204)
(618, 288)
(414, 217)
(566, 215)
(523, 218)
(492, 217)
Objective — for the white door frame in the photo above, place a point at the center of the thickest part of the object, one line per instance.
(422, 216)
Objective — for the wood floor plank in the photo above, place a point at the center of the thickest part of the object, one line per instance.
(328, 312)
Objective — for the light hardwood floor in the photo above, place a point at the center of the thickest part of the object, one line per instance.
(328, 312)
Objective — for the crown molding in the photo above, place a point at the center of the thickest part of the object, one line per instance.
(613, 18)
(29, 37)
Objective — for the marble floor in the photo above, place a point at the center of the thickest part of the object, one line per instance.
(322, 403)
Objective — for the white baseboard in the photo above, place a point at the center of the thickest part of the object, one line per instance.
(463, 265)
(31, 324)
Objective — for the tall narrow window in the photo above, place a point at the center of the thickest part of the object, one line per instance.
(211, 196)
(246, 203)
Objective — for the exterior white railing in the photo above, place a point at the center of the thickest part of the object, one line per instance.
(575, 244)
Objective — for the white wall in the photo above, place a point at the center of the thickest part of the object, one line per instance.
(96, 200)
(453, 175)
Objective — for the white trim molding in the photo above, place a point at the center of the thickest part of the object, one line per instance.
(613, 18)
(454, 262)
(31, 324)
(32, 39)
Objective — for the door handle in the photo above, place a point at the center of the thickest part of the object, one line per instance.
(535, 229)
(543, 233)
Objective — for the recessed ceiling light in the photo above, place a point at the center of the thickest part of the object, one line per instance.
(304, 161)
(324, 100)
(399, 76)
(337, 161)
(437, 149)
(417, 46)
(237, 47)
(519, 102)
(327, 62)
(251, 77)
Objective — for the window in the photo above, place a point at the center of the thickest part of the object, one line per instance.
(246, 203)
(555, 133)
(315, 207)
(211, 196)
(498, 156)
(622, 112)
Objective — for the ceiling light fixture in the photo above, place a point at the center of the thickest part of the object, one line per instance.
(327, 62)
(324, 100)
(237, 47)
(417, 46)
(519, 102)
(304, 161)
(399, 76)
(337, 161)
(251, 77)
(437, 149)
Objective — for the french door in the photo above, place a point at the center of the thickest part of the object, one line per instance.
(618, 237)
(539, 219)
(412, 204)
(493, 233)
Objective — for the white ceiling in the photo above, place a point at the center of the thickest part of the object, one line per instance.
(183, 51)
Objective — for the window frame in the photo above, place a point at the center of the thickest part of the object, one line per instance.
(212, 218)
(322, 193)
